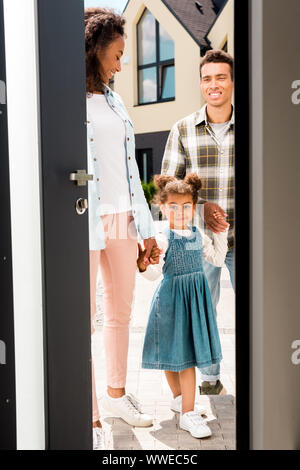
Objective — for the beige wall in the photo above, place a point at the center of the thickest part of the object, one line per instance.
(160, 117)
(223, 29)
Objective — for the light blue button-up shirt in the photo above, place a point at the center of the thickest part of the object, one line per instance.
(140, 210)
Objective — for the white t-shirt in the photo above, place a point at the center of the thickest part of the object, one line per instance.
(109, 136)
(213, 251)
(219, 129)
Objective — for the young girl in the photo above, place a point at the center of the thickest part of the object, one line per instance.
(182, 332)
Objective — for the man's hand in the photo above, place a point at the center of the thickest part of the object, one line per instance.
(214, 217)
(149, 244)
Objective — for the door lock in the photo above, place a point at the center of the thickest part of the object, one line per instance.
(81, 206)
(81, 177)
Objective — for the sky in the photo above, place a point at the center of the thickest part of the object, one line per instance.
(117, 5)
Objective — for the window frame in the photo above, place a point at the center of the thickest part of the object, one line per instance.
(158, 64)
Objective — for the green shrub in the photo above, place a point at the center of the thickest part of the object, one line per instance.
(149, 191)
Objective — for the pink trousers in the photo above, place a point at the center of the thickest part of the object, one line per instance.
(118, 266)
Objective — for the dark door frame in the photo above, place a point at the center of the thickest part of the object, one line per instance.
(242, 220)
(68, 396)
(7, 356)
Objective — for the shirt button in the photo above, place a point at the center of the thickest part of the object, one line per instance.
(99, 198)
(95, 159)
(129, 158)
(130, 177)
(128, 138)
(97, 179)
(132, 194)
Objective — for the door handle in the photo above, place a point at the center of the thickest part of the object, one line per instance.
(81, 177)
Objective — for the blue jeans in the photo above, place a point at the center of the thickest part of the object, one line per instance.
(213, 275)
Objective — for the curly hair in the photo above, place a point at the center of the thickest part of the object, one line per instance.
(102, 26)
(166, 185)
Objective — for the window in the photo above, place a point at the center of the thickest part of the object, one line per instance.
(156, 72)
(144, 160)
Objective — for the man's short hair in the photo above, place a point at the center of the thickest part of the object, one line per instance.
(218, 56)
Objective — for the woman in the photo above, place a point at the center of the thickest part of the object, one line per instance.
(118, 211)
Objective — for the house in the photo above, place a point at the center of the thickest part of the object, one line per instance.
(159, 82)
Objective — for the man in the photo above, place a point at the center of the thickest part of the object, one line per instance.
(203, 142)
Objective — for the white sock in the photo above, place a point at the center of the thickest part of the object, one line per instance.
(213, 382)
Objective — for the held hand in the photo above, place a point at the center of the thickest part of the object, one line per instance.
(214, 217)
(154, 255)
(149, 244)
(140, 261)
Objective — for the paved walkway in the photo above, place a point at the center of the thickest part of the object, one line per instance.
(150, 386)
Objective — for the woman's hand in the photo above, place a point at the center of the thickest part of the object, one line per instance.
(140, 261)
(214, 217)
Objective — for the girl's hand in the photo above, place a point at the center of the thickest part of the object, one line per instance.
(149, 244)
(217, 215)
(154, 255)
(214, 217)
(140, 261)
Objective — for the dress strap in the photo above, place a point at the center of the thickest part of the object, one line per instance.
(168, 233)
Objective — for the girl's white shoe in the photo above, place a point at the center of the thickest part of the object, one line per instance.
(98, 439)
(193, 422)
(176, 405)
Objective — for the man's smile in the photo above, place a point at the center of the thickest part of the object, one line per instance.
(215, 94)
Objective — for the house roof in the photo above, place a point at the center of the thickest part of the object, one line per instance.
(197, 23)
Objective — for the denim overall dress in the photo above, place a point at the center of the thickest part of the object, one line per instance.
(182, 330)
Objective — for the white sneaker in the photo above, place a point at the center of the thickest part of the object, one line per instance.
(176, 405)
(195, 424)
(98, 439)
(128, 408)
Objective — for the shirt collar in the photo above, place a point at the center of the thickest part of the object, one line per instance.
(201, 116)
(107, 90)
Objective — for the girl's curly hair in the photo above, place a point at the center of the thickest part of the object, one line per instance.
(166, 185)
(102, 27)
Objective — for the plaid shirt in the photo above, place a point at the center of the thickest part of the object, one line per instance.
(192, 147)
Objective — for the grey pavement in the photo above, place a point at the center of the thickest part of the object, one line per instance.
(151, 388)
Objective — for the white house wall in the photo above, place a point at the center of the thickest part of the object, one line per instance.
(223, 29)
(160, 116)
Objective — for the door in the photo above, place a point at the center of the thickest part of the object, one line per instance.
(7, 355)
(275, 170)
(66, 245)
(66, 270)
